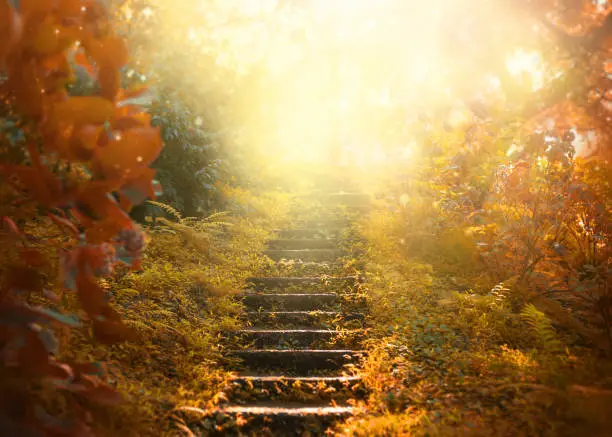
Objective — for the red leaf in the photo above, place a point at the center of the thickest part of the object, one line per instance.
(125, 123)
(134, 92)
(110, 51)
(81, 59)
(33, 357)
(10, 28)
(109, 80)
(129, 151)
(137, 190)
(96, 369)
(24, 82)
(83, 110)
(91, 295)
(24, 279)
(30, 7)
(32, 257)
(65, 224)
(39, 182)
(109, 331)
(9, 226)
(103, 395)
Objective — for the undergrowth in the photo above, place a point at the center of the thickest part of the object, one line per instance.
(178, 303)
(452, 352)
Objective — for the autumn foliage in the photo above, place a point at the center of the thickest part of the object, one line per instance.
(74, 165)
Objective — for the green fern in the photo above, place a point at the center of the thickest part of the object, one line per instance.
(542, 329)
(167, 208)
(216, 215)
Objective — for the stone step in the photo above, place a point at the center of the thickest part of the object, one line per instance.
(306, 389)
(347, 199)
(316, 255)
(297, 338)
(306, 319)
(291, 302)
(295, 360)
(310, 233)
(276, 419)
(282, 282)
(305, 269)
(303, 243)
(327, 223)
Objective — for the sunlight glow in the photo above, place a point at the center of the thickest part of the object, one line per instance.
(529, 63)
(346, 80)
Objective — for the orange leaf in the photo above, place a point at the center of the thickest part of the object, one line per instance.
(30, 7)
(40, 183)
(91, 295)
(110, 81)
(32, 257)
(24, 279)
(110, 51)
(135, 91)
(10, 28)
(9, 226)
(103, 395)
(104, 230)
(112, 331)
(26, 86)
(125, 123)
(81, 59)
(44, 37)
(70, 8)
(65, 223)
(129, 152)
(137, 190)
(83, 110)
(83, 142)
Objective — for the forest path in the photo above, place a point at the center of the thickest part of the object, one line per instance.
(297, 360)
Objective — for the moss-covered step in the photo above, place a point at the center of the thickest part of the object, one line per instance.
(304, 389)
(305, 319)
(302, 243)
(304, 254)
(297, 301)
(307, 233)
(297, 338)
(282, 282)
(347, 199)
(264, 419)
(298, 360)
(305, 269)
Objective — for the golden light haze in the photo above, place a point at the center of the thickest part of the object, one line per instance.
(350, 75)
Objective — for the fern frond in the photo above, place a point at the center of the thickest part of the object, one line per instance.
(217, 215)
(213, 224)
(173, 225)
(138, 325)
(542, 329)
(167, 208)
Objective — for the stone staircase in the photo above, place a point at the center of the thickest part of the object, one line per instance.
(297, 362)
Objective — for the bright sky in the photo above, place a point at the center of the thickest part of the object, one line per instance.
(352, 72)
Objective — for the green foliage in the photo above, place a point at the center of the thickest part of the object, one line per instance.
(542, 329)
(190, 163)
